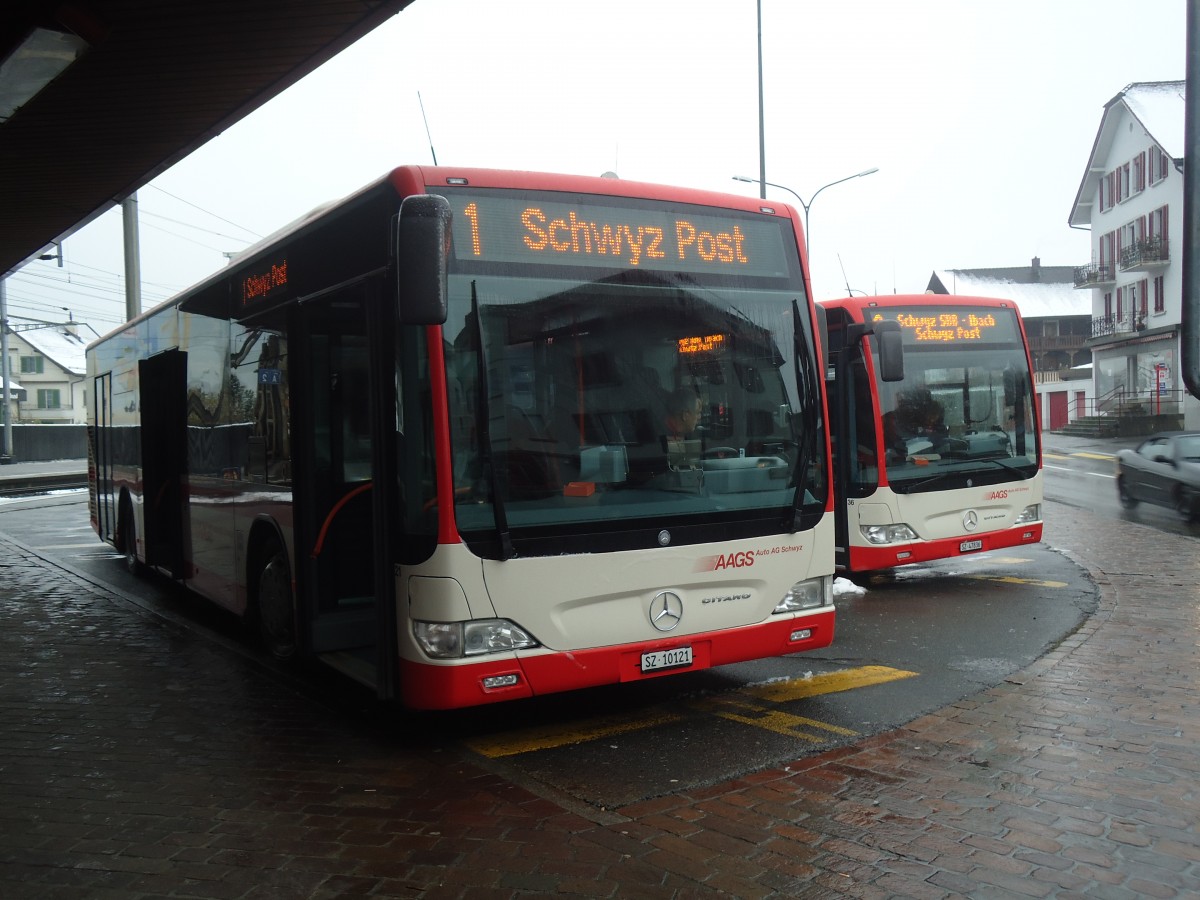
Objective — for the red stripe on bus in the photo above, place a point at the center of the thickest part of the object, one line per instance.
(866, 558)
(441, 686)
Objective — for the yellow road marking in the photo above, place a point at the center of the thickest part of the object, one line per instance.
(547, 737)
(527, 740)
(1009, 579)
(737, 709)
(1087, 455)
(829, 683)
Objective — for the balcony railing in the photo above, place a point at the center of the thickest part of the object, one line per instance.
(1041, 344)
(1094, 275)
(1104, 326)
(1145, 254)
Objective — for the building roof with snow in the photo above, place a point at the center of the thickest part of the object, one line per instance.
(62, 344)
(1038, 291)
(1158, 106)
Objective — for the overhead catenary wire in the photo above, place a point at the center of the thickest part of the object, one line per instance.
(93, 293)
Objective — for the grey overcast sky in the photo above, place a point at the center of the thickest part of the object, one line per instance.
(979, 116)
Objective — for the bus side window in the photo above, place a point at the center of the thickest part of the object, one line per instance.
(356, 414)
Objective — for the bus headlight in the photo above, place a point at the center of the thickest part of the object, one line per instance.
(454, 640)
(811, 594)
(887, 534)
(1032, 513)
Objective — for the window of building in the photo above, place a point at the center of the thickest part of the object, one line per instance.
(1123, 183)
(1160, 295)
(1108, 249)
(48, 398)
(1108, 305)
(1139, 172)
(1159, 163)
(33, 365)
(1157, 223)
(1131, 233)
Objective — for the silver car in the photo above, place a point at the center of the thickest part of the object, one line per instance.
(1164, 469)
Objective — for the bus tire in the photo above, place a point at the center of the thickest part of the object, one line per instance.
(127, 526)
(276, 610)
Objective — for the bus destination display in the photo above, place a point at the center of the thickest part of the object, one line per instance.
(544, 230)
(946, 325)
(266, 282)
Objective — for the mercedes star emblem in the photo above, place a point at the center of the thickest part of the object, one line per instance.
(666, 611)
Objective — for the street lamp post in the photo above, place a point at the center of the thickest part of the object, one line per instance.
(807, 241)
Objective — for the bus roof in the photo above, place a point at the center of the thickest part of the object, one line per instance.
(889, 300)
(214, 295)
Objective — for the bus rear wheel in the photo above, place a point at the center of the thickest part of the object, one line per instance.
(276, 611)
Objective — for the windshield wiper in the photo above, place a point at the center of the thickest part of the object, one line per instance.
(948, 469)
(483, 429)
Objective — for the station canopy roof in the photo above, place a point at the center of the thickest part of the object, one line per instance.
(97, 97)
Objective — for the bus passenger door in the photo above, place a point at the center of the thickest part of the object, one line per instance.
(103, 503)
(163, 408)
(340, 533)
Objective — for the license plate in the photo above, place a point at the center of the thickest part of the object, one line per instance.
(675, 658)
(968, 546)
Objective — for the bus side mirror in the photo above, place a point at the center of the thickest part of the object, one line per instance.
(422, 256)
(889, 360)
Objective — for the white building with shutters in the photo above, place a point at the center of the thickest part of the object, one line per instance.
(1131, 199)
(47, 373)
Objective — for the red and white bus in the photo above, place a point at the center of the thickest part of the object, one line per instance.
(942, 458)
(426, 435)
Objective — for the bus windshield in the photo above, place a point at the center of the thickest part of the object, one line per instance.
(964, 413)
(588, 399)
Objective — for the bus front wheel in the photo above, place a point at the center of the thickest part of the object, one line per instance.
(276, 612)
(128, 529)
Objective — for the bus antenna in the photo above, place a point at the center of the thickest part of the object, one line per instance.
(849, 293)
(432, 152)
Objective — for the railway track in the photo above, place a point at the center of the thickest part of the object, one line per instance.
(23, 485)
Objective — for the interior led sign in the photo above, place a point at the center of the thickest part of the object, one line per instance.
(546, 229)
(949, 325)
(261, 284)
(702, 344)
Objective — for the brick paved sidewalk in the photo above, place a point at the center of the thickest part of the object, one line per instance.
(125, 774)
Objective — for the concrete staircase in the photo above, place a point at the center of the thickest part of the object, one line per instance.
(1125, 425)
(1093, 427)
